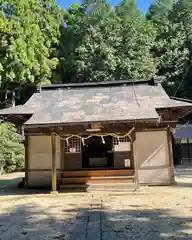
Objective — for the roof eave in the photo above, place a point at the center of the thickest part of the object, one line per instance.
(181, 99)
(15, 119)
(152, 120)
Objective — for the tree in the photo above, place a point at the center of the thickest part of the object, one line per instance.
(29, 32)
(136, 39)
(11, 149)
(159, 11)
(182, 19)
(86, 49)
(72, 33)
(99, 43)
(170, 50)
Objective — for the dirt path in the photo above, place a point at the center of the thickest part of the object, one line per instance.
(162, 213)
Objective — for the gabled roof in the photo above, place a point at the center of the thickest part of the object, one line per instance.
(183, 131)
(106, 102)
(93, 105)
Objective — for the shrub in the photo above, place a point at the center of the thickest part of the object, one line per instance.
(11, 149)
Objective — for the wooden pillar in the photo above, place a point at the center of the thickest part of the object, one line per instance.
(132, 152)
(54, 170)
(26, 160)
(134, 160)
(62, 153)
(170, 153)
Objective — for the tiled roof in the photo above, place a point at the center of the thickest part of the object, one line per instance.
(183, 131)
(96, 104)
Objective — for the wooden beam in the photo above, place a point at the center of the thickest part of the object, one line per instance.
(152, 129)
(80, 127)
(170, 153)
(79, 130)
(54, 170)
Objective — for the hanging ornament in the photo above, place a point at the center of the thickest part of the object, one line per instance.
(118, 138)
(98, 135)
(67, 139)
(103, 140)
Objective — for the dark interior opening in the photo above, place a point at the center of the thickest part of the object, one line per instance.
(96, 153)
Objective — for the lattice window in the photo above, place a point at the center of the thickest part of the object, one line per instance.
(116, 140)
(184, 140)
(178, 140)
(74, 145)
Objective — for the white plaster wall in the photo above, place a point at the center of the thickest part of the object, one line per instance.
(154, 176)
(41, 179)
(151, 151)
(40, 152)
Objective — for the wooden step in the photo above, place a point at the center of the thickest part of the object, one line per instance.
(74, 186)
(113, 179)
(98, 173)
(98, 185)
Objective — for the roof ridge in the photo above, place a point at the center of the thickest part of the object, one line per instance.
(98, 84)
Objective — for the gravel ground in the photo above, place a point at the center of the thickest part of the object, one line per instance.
(158, 213)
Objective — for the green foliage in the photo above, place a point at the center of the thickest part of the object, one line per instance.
(11, 149)
(136, 40)
(171, 51)
(159, 11)
(182, 18)
(92, 41)
(28, 30)
(99, 43)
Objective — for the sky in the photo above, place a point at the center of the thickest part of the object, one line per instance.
(141, 4)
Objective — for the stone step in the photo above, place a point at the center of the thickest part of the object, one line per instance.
(106, 186)
(111, 190)
(91, 187)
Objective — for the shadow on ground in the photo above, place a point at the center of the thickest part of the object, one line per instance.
(11, 180)
(30, 222)
(182, 184)
(8, 186)
(9, 183)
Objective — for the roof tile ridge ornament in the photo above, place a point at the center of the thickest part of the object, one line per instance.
(134, 92)
(60, 93)
(156, 80)
(159, 120)
(38, 90)
(13, 98)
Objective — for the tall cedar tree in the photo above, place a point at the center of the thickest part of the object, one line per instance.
(171, 50)
(29, 31)
(101, 43)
